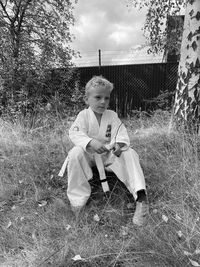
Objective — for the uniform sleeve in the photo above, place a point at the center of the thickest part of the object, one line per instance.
(78, 131)
(119, 133)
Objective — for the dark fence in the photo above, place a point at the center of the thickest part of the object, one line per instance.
(134, 85)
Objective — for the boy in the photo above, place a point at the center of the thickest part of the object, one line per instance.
(98, 130)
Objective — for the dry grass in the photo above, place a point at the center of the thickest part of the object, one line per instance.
(39, 229)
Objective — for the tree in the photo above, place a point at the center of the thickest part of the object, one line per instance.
(187, 99)
(155, 27)
(35, 36)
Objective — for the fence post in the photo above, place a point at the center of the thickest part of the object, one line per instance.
(99, 61)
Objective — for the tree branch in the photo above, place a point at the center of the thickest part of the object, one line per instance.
(23, 14)
(18, 10)
(5, 11)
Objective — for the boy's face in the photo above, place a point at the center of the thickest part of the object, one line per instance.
(98, 99)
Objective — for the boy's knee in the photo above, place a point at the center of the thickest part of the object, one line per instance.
(76, 152)
(132, 152)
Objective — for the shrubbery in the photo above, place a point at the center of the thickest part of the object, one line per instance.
(56, 92)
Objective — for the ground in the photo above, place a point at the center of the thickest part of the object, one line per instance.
(38, 227)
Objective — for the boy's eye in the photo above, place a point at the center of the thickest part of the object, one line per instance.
(99, 97)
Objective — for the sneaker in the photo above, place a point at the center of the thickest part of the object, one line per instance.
(141, 213)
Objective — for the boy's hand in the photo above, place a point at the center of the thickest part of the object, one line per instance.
(97, 146)
(117, 149)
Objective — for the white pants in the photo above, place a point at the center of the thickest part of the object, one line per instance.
(126, 167)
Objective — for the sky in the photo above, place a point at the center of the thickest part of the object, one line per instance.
(111, 26)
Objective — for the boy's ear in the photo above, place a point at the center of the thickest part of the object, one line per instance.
(85, 99)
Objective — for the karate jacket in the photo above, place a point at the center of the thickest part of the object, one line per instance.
(110, 130)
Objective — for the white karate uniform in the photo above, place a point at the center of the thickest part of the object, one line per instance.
(79, 160)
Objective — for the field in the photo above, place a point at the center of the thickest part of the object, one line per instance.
(39, 229)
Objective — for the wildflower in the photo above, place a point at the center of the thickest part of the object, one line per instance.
(130, 205)
(124, 231)
(96, 218)
(165, 218)
(197, 251)
(68, 227)
(180, 234)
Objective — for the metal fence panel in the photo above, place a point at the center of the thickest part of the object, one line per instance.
(133, 84)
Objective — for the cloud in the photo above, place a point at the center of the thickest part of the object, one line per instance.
(108, 25)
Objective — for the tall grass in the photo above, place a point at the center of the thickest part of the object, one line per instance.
(39, 229)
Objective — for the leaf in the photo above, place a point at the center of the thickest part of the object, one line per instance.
(194, 46)
(34, 235)
(194, 263)
(77, 258)
(42, 203)
(191, 2)
(191, 12)
(197, 64)
(190, 36)
(198, 15)
(9, 224)
(191, 65)
(178, 217)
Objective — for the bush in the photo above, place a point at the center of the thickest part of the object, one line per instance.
(58, 88)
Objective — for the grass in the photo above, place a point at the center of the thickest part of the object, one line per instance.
(39, 229)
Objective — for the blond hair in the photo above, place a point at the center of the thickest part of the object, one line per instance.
(98, 81)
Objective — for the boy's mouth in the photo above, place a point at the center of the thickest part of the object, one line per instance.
(102, 108)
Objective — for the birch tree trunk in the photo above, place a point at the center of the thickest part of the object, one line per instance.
(187, 98)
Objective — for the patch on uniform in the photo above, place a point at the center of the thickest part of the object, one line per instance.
(108, 131)
(75, 128)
